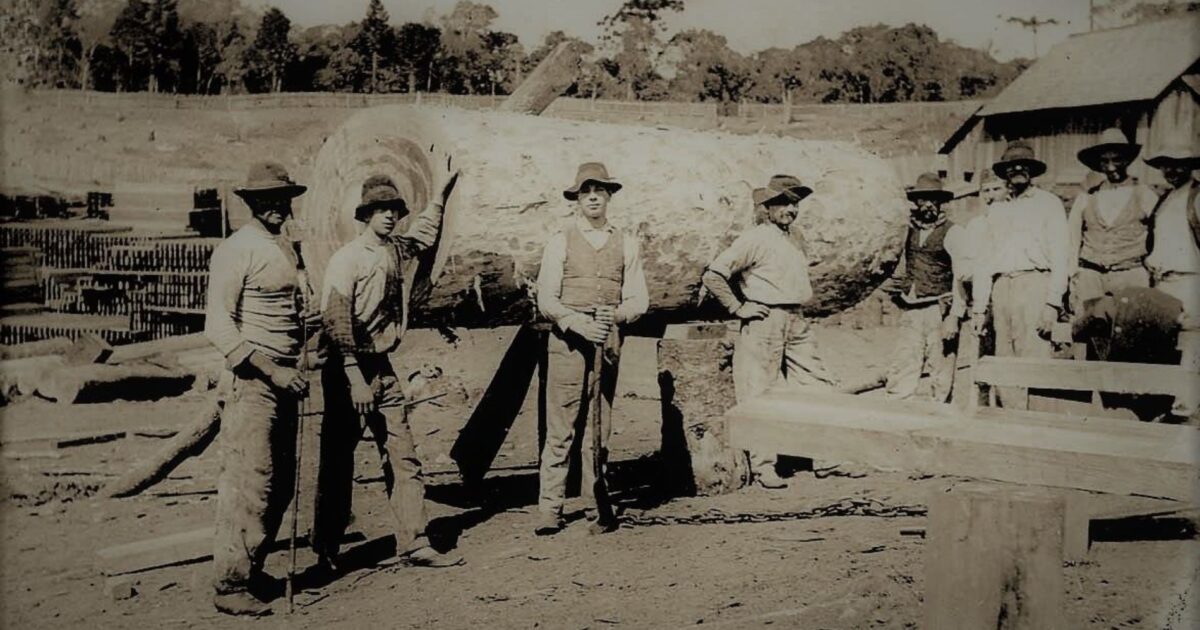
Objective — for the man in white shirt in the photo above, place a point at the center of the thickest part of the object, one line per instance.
(1174, 261)
(1023, 275)
(762, 279)
(590, 284)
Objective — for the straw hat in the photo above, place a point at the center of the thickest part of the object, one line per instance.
(1112, 139)
(269, 179)
(929, 186)
(591, 172)
(1019, 153)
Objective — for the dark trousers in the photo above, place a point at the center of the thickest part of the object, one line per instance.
(341, 429)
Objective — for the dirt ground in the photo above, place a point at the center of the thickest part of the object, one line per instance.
(828, 572)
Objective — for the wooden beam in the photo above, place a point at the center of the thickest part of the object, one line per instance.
(1102, 376)
(993, 559)
(1028, 447)
(176, 549)
(181, 548)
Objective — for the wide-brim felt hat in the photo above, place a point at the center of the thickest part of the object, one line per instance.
(1019, 152)
(1175, 153)
(379, 192)
(591, 172)
(788, 186)
(269, 179)
(1112, 139)
(929, 186)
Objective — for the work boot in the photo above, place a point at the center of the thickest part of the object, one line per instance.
(241, 603)
(770, 480)
(426, 556)
(548, 524)
(597, 526)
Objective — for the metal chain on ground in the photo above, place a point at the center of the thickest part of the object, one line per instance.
(845, 507)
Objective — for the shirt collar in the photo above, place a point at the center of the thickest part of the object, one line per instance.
(585, 226)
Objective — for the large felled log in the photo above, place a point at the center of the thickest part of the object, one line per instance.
(105, 383)
(189, 442)
(158, 347)
(45, 347)
(552, 76)
(686, 195)
(19, 378)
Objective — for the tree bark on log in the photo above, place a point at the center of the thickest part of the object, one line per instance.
(189, 442)
(686, 196)
(552, 76)
(45, 347)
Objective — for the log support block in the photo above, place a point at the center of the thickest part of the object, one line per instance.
(994, 559)
(696, 385)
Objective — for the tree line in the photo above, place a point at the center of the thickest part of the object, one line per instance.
(219, 46)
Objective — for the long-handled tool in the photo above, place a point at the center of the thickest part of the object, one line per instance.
(302, 411)
(604, 512)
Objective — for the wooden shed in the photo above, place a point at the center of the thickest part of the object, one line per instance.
(1142, 78)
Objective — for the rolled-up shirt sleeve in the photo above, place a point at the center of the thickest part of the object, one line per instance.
(635, 298)
(549, 286)
(737, 257)
(227, 276)
(423, 231)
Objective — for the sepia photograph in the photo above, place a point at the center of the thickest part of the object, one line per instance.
(600, 314)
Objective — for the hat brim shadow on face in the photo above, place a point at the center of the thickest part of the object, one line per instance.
(571, 194)
(1168, 161)
(795, 194)
(364, 211)
(289, 191)
(939, 196)
(1090, 157)
(1036, 168)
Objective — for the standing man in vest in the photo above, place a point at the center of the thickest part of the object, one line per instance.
(930, 296)
(253, 317)
(1109, 223)
(363, 309)
(762, 279)
(590, 284)
(1174, 263)
(1023, 273)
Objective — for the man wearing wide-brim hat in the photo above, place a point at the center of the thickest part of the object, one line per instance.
(1174, 261)
(762, 279)
(1022, 272)
(1109, 223)
(590, 285)
(929, 294)
(364, 311)
(256, 299)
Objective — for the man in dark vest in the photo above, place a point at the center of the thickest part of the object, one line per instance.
(930, 296)
(1109, 223)
(1174, 262)
(590, 284)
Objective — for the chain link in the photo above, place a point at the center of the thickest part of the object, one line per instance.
(713, 516)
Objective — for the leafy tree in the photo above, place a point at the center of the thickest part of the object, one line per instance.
(632, 35)
(130, 35)
(417, 48)
(272, 52)
(60, 38)
(231, 70)
(707, 69)
(163, 42)
(464, 47)
(96, 19)
(376, 40)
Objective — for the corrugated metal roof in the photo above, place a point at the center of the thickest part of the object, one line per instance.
(1133, 63)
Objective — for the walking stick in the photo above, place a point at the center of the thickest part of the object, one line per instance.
(604, 513)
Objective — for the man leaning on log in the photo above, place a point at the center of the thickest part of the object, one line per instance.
(770, 272)
(363, 310)
(255, 304)
(589, 285)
